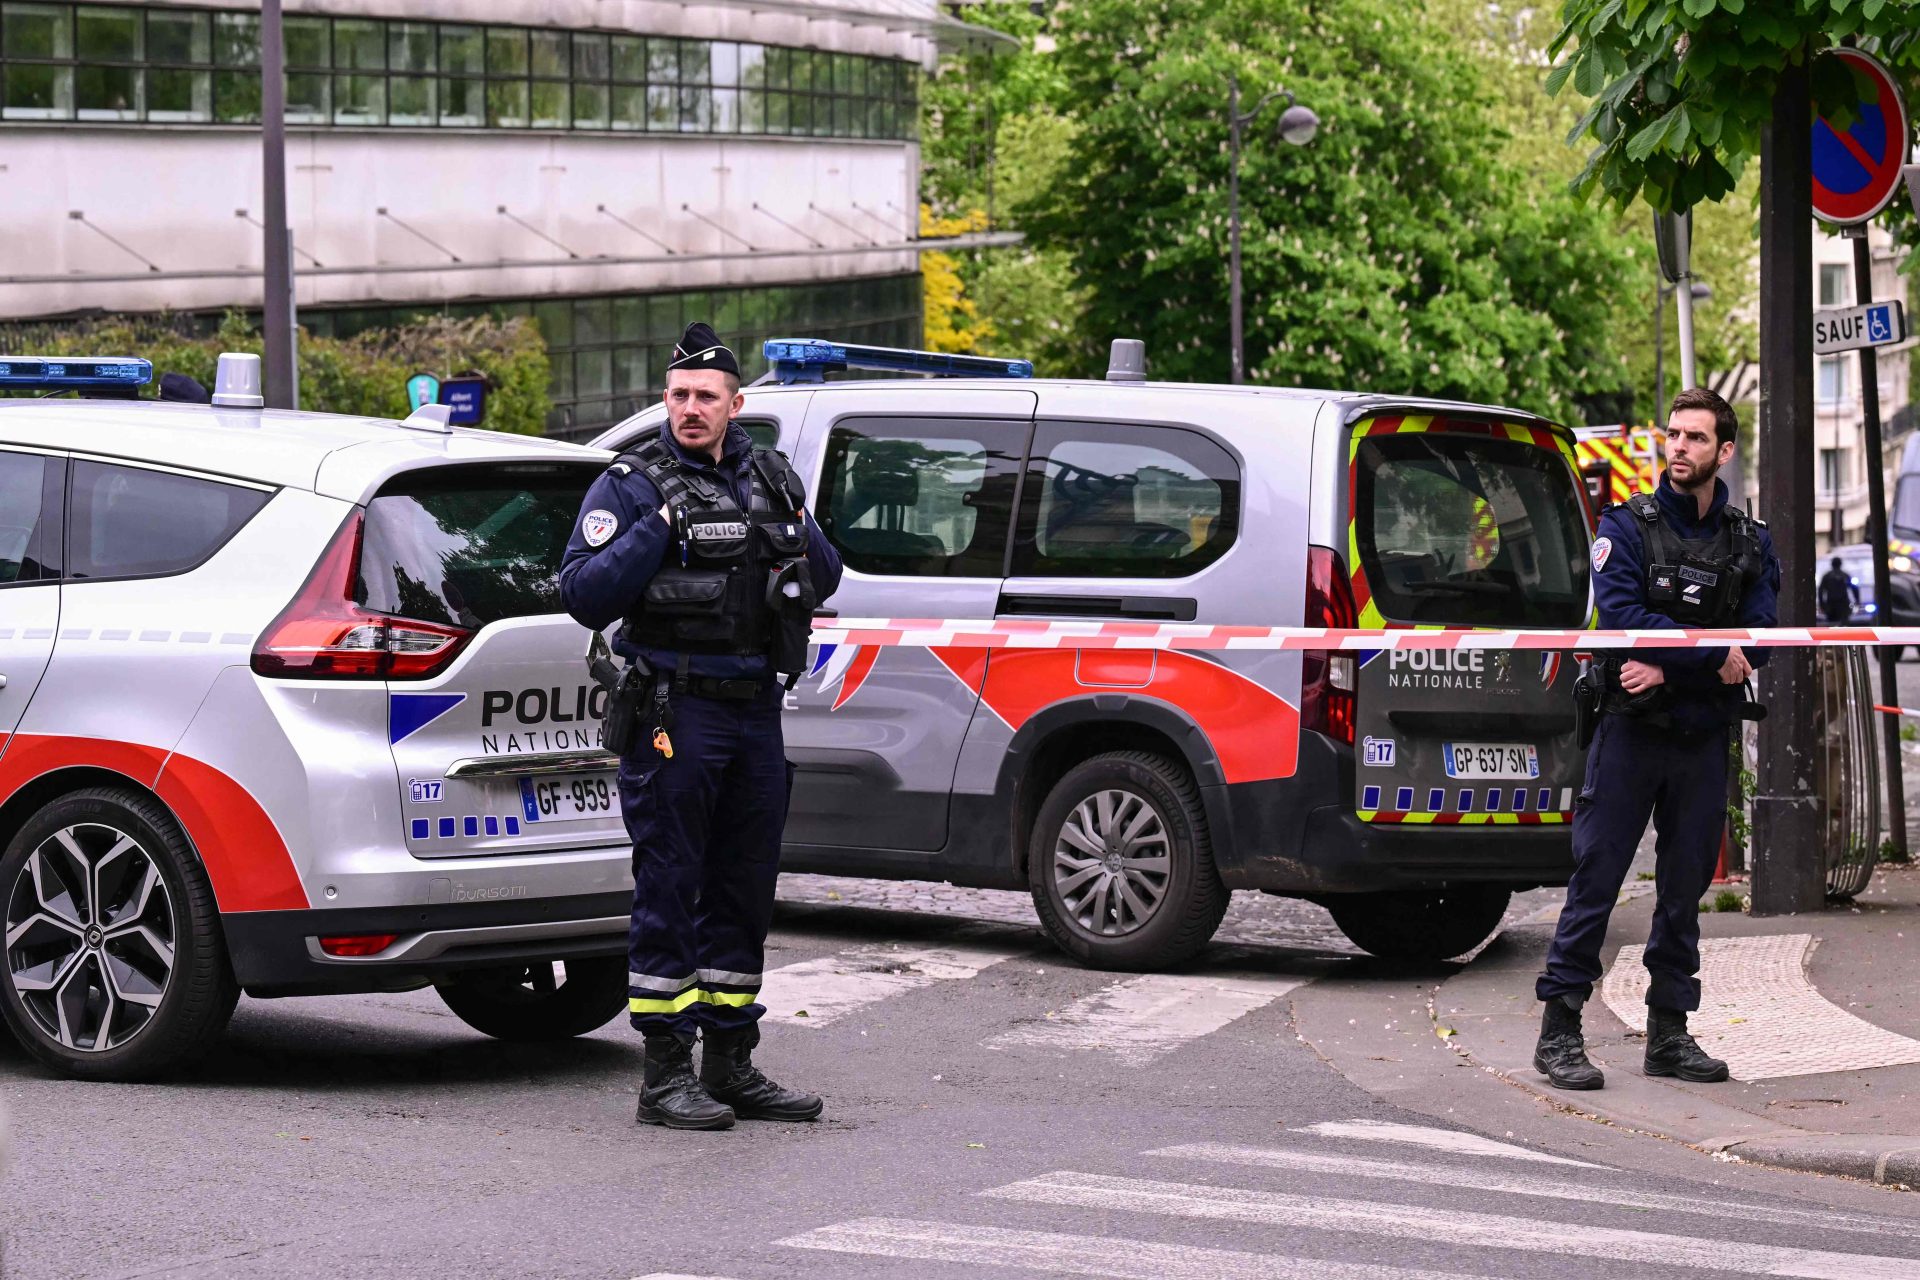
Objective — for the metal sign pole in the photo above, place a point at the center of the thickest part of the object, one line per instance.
(1789, 872)
(1237, 356)
(1877, 541)
(276, 312)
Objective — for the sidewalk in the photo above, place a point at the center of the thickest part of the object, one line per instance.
(1818, 1017)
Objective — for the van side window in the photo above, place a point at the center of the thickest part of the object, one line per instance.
(929, 498)
(23, 486)
(1108, 501)
(129, 522)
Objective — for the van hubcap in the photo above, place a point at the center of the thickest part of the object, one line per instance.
(89, 937)
(1111, 862)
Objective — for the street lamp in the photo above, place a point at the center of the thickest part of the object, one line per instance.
(1298, 124)
(1699, 293)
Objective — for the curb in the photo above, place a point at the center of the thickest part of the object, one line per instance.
(1491, 1025)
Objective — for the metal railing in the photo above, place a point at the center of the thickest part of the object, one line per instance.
(1847, 769)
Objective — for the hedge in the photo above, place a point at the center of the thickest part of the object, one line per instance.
(365, 374)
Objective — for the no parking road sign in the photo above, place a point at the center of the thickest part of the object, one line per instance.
(1857, 170)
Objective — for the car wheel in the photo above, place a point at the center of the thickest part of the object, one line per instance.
(115, 965)
(531, 1002)
(1420, 926)
(1120, 866)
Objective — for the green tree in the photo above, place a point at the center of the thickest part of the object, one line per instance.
(1401, 251)
(1509, 43)
(1682, 90)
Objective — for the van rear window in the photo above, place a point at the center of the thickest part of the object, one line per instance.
(1466, 530)
(466, 546)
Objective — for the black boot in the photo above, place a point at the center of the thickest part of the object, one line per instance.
(727, 1071)
(1561, 1055)
(669, 1094)
(1672, 1052)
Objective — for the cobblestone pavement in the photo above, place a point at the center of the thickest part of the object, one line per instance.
(1253, 919)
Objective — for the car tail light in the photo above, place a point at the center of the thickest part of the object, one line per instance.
(1327, 676)
(325, 635)
(357, 944)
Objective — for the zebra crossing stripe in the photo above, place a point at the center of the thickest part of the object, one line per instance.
(1145, 1017)
(1081, 1255)
(1531, 1184)
(814, 993)
(1414, 1135)
(1452, 1226)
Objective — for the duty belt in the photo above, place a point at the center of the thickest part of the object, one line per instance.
(742, 690)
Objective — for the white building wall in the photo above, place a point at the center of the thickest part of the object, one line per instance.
(1839, 422)
(170, 193)
(171, 196)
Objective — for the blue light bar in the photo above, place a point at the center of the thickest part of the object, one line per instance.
(71, 375)
(811, 359)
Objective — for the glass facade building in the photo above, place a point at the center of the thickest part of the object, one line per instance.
(610, 353)
(126, 64)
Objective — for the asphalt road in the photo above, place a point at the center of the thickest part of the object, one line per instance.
(992, 1111)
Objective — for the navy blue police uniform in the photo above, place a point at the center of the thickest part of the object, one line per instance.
(704, 786)
(1659, 564)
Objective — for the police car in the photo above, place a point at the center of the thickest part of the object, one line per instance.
(1129, 791)
(288, 705)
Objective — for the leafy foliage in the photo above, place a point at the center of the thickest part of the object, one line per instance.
(952, 320)
(1401, 251)
(1507, 41)
(364, 375)
(1681, 91)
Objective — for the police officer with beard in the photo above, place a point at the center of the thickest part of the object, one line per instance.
(702, 544)
(1679, 557)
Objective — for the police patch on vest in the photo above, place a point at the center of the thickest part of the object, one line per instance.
(1705, 577)
(718, 530)
(1601, 550)
(597, 526)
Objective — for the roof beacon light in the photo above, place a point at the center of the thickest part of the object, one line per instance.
(811, 359)
(33, 373)
(236, 382)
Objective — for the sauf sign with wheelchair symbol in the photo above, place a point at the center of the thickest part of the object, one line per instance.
(1877, 324)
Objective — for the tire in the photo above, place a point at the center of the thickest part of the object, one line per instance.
(1408, 925)
(526, 1004)
(121, 971)
(1130, 929)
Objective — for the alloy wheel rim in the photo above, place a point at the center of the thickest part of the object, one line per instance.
(1112, 861)
(89, 937)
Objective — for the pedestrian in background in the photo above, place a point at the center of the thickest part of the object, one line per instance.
(702, 544)
(1839, 593)
(1678, 557)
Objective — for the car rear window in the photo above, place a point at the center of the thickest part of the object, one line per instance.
(466, 546)
(1470, 530)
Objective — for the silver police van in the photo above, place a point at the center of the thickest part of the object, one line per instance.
(1130, 791)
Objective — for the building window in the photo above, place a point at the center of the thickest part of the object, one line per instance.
(1832, 470)
(1831, 382)
(1833, 284)
(96, 63)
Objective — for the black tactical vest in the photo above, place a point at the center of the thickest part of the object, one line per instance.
(734, 582)
(1697, 582)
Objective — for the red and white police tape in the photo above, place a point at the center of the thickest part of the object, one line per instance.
(1020, 633)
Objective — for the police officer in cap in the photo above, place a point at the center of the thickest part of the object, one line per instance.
(701, 543)
(1678, 557)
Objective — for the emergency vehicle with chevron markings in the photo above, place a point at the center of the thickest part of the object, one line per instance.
(1129, 790)
(288, 705)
